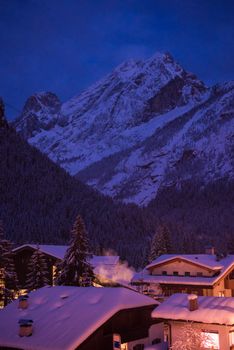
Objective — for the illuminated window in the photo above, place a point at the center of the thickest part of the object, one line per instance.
(2, 279)
(231, 338)
(221, 293)
(194, 292)
(166, 333)
(211, 340)
(54, 274)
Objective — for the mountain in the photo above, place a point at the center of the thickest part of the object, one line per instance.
(41, 111)
(39, 202)
(147, 126)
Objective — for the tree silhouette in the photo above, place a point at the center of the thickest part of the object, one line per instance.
(75, 268)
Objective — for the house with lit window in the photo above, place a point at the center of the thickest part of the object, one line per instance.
(202, 274)
(105, 267)
(211, 317)
(70, 318)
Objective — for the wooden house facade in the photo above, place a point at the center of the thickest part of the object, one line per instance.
(201, 274)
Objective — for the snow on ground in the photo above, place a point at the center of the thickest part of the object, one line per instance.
(161, 346)
(63, 317)
(214, 310)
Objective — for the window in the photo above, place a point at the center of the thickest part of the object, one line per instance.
(166, 333)
(164, 273)
(194, 292)
(211, 340)
(187, 273)
(231, 338)
(199, 274)
(222, 294)
(175, 273)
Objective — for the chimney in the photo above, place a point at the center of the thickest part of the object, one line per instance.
(25, 327)
(210, 250)
(23, 302)
(192, 302)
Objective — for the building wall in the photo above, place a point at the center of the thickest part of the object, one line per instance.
(131, 324)
(21, 259)
(155, 332)
(221, 329)
(169, 289)
(217, 290)
(220, 290)
(181, 267)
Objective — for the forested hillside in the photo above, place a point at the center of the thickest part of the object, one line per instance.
(39, 202)
(198, 215)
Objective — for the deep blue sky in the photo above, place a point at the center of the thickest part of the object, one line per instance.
(65, 45)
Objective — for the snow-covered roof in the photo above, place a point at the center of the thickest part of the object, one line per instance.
(206, 260)
(213, 310)
(63, 317)
(58, 252)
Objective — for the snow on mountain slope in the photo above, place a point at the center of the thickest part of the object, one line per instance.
(196, 144)
(41, 111)
(147, 124)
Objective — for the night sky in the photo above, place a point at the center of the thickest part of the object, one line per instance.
(63, 46)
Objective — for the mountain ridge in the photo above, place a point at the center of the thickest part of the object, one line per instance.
(124, 135)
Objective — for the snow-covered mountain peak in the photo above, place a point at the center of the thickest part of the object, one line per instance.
(132, 87)
(133, 131)
(42, 100)
(160, 64)
(41, 111)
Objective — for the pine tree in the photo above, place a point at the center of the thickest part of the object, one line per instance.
(161, 242)
(3, 122)
(75, 268)
(8, 276)
(37, 275)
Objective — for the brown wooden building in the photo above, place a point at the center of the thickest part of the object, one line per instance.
(54, 254)
(201, 274)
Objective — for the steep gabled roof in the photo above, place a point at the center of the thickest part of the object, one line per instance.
(213, 310)
(58, 252)
(205, 260)
(63, 317)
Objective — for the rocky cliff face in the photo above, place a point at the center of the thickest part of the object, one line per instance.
(41, 112)
(147, 125)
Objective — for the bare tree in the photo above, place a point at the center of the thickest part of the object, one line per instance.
(192, 338)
